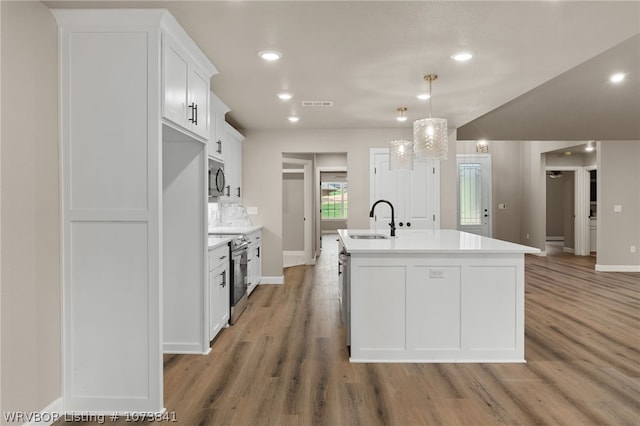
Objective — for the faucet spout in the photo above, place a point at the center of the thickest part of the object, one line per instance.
(392, 225)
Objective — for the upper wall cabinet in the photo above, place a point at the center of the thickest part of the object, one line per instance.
(185, 85)
(233, 163)
(217, 135)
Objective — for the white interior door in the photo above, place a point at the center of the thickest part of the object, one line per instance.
(474, 194)
(414, 194)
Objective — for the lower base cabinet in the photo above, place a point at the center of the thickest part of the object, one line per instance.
(219, 294)
(254, 260)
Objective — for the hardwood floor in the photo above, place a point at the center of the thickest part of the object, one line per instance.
(285, 363)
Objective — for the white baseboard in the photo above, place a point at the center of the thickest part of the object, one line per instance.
(568, 250)
(540, 253)
(184, 348)
(292, 258)
(618, 268)
(272, 280)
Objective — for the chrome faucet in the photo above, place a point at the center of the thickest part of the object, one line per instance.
(393, 223)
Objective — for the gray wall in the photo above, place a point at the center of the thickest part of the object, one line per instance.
(30, 310)
(555, 206)
(293, 211)
(618, 184)
(505, 180)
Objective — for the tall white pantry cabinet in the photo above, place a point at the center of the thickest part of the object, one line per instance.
(133, 200)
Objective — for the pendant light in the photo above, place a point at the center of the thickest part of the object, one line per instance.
(430, 134)
(401, 151)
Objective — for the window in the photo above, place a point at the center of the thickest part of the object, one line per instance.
(470, 194)
(334, 200)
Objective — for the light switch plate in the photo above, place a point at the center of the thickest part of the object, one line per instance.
(502, 206)
(617, 208)
(252, 210)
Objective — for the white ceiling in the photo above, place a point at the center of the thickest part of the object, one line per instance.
(370, 57)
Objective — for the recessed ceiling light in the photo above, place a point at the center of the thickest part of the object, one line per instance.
(462, 56)
(293, 119)
(285, 96)
(423, 96)
(617, 77)
(270, 55)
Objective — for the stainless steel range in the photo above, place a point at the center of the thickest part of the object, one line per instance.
(238, 268)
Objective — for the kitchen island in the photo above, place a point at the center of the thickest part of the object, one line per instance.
(433, 296)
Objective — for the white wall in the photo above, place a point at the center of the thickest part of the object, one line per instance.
(262, 175)
(30, 239)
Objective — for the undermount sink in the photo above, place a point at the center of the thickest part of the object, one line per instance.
(368, 236)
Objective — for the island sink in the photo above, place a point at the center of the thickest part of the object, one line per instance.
(368, 236)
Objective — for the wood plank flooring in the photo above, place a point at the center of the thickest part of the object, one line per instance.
(284, 362)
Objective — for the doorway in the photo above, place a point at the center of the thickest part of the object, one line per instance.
(560, 214)
(297, 211)
(474, 211)
(581, 206)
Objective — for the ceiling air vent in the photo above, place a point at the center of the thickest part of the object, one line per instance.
(317, 103)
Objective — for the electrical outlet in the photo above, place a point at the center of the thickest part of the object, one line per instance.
(502, 206)
(617, 208)
(633, 249)
(436, 273)
(527, 236)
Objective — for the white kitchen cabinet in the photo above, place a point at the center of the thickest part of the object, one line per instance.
(233, 163)
(415, 194)
(185, 88)
(216, 146)
(129, 179)
(254, 260)
(219, 293)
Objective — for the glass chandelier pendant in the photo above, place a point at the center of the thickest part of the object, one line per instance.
(430, 134)
(401, 155)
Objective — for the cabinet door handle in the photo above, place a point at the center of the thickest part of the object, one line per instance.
(193, 109)
(219, 149)
(258, 252)
(408, 223)
(223, 283)
(339, 270)
(401, 224)
(228, 188)
(238, 190)
(222, 257)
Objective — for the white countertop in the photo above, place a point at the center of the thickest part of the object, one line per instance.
(428, 241)
(215, 241)
(233, 230)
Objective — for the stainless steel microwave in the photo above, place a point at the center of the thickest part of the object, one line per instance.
(217, 181)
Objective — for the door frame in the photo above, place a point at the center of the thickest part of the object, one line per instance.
(489, 188)
(580, 205)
